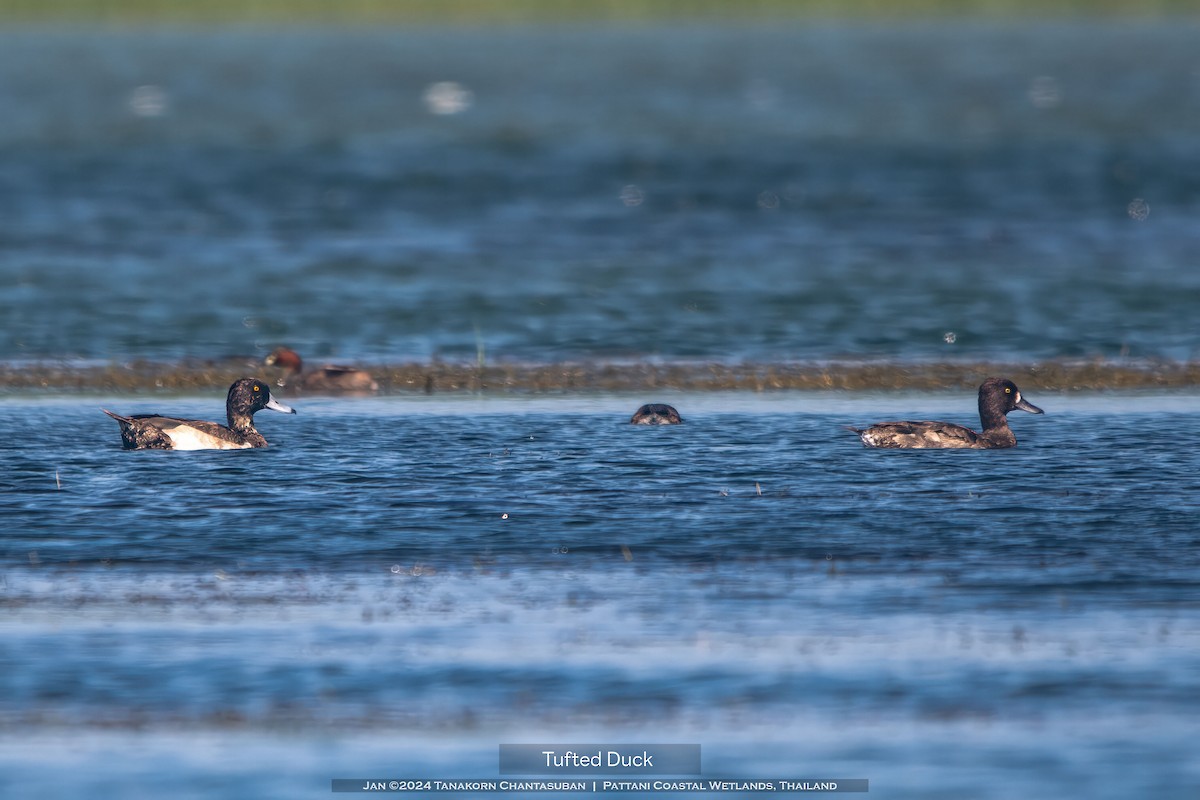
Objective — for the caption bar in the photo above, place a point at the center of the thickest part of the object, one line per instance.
(657, 786)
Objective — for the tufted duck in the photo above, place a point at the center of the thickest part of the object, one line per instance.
(656, 414)
(150, 431)
(997, 397)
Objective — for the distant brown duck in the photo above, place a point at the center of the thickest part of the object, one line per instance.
(656, 414)
(154, 432)
(997, 397)
(328, 379)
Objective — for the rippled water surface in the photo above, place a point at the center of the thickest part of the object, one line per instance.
(803, 191)
(396, 586)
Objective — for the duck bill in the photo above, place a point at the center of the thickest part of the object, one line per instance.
(275, 405)
(1025, 405)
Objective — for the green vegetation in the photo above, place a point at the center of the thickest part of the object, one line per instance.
(353, 12)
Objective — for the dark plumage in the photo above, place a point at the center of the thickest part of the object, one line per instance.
(246, 396)
(997, 397)
(656, 414)
(329, 379)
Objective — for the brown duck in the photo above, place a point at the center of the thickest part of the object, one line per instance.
(328, 379)
(997, 397)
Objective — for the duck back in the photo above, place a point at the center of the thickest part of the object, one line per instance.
(921, 435)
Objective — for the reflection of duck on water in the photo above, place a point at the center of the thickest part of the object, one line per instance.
(329, 378)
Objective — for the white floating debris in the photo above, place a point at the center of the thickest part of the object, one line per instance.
(447, 97)
(632, 195)
(1138, 209)
(768, 200)
(1045, 92)
(148, 101)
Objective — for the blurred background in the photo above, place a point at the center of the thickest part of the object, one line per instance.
(540, 182)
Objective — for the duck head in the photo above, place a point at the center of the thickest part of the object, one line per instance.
(998, 396)
(656, 414)
(247, 396)
(284, 357)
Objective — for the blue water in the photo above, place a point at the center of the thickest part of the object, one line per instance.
(396, 586)
(799, 191)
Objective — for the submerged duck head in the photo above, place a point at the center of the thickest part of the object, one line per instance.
(656, 414)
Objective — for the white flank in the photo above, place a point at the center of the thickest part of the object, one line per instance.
(185, 438)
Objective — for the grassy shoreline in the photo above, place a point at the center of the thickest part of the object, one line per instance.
(140, 377)
(530, 11)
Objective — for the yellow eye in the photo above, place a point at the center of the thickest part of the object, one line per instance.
(259, 390)
(1007, 389)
